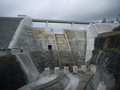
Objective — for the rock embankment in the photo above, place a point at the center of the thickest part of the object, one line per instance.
(106, 56)
(12, 75)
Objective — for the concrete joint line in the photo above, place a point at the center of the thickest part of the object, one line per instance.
(57, 50)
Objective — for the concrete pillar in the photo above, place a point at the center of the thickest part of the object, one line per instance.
(66, 70)
(47, 71)
(83, 68)
(92, 68)
(75, 69)
(56, 70)
(72, 25)
(47, 28)
(47, 24)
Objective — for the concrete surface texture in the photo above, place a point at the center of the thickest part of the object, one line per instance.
(51, 82)
(73, 84)
(64, 50)
(83, 68)
(90, 45)
(101, 86)
(98, 28)
(66, 70)
(92, 29)
(86, 78)
(23, 38)
(77, 41)
(65, 82)
(39, 81)
(47, 47)
(93, 82)
(75, 69)
(52, 50)
(56, 70)
(35, 56)
(8, 26)
(29, 67)
(47, 71)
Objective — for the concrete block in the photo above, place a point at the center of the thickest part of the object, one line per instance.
(83, 68)
(66, 70)
(56, 70)
(92, 68)
(47, 71)
(75, 69)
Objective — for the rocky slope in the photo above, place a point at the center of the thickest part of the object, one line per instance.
(106, 56)
(12, 75)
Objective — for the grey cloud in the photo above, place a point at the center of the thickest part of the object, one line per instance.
(76, 10)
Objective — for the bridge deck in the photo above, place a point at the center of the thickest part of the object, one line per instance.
(60, 21)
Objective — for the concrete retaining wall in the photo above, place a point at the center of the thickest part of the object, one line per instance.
(60, 83)
(29, 67)
(90, 45)
(94, 82)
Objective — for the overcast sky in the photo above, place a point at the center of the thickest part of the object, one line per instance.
(75, 10)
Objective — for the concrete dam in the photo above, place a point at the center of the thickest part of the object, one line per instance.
(39, 59)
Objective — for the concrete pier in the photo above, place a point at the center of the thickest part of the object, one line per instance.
(47, 71)
(75, 69)
(66, 70)
(56, 70)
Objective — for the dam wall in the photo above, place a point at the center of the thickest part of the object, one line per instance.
(46, 44)
(23, 38)
(89, 46)
(77, 41)
(64, 50)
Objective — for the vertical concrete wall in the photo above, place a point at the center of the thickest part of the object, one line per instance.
(103, 27)
(44, 40)
(92, 29)
(36, 58)
(64, 51)
(77, 41)
(29, 67)
(97, 28)
(90, 42)
(67, 48)
(90, 48)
